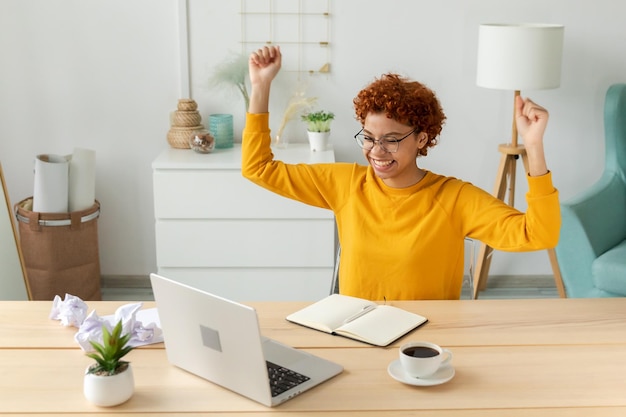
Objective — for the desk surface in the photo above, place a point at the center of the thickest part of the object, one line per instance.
(556, 357)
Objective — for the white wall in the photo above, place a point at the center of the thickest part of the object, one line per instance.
(105, 75)
(96, 74)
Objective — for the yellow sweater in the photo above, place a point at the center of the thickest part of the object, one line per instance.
(403, 244)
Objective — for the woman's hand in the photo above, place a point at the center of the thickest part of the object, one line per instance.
(263, 65)
(531, 120)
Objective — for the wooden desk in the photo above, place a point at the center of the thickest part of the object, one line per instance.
(549, 357)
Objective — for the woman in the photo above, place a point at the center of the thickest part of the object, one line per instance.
(402, 228)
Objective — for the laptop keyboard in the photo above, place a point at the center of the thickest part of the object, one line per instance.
(283, 379)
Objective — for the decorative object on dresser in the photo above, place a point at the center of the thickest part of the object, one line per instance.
(221, 127)
(298, 103)
(232, 73)
(185, 121)
(110, 380)
(202, 141)
(318, 128)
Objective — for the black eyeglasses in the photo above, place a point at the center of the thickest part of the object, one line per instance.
(387, 143)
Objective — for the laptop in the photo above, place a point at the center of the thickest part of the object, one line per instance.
(220, 340)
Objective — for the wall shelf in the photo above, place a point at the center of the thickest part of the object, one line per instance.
(301, 28)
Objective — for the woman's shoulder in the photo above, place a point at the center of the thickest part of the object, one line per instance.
(444, 183)
(444, 180)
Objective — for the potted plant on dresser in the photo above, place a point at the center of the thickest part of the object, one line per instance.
(109, 381)
(318, 128)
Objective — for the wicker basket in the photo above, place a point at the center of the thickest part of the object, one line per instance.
(186, 118)
(178, 137)
(187, 104)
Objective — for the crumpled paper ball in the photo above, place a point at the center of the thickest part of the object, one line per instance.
(72, 311)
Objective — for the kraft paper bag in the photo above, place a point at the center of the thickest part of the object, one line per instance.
(60, 251)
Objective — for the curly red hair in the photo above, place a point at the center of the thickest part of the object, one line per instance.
(403, 100)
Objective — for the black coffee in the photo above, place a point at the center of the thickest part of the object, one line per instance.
(420, 352)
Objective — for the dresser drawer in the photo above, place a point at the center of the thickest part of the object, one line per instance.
(222, 194)
(245, 243)
(257, 284)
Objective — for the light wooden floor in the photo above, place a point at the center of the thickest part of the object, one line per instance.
(513, 286)
(498, 287)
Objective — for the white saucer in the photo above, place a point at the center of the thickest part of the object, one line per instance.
(443, 375)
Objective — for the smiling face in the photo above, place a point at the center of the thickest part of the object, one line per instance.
(398, 169)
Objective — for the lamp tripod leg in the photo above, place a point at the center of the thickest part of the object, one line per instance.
(506, 172)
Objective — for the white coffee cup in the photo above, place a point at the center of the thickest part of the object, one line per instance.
(422, 359)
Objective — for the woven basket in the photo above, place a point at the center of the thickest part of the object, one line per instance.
(186, 118)
(187, 104)
(178, 137)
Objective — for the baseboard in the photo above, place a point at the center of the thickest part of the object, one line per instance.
(125, 281)
(494, 281)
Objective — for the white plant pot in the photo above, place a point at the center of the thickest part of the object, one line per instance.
(318, 141)
(107, 391)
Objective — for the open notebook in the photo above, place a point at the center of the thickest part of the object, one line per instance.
(359, 319)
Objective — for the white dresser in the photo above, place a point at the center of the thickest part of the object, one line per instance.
(217, 231)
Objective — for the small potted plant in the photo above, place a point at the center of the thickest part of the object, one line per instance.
(318, 128)
(109, 381)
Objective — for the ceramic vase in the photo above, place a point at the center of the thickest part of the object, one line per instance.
(318, 141)
(109, 390)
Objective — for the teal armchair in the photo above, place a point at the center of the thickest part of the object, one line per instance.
(591, 252)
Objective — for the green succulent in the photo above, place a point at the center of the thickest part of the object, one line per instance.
(110, 351)
(318, 121)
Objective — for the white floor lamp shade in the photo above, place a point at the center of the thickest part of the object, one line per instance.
(519, 56)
